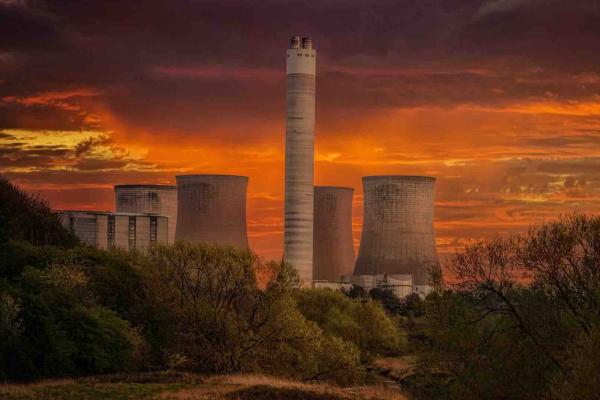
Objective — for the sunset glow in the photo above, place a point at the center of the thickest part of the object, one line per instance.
(508, 120)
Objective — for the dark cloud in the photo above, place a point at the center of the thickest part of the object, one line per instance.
(497, 98)
(88, 145)
(4, 135)
(116, 47)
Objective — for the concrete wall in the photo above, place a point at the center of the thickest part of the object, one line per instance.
(154, 199)
(92, 227)
(398, 235)
(333, 249)
(299, 157)
(84, 225)
(163, 229)
(102, 231)
(142, 233)
(400, 284)
(122, 231)
(212, 209)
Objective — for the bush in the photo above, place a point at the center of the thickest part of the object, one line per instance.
(61, 329)
(522, 319)
(27, 218)
(225, 323)
(362, 323)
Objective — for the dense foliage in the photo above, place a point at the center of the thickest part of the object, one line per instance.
(223, 322)
(71, 310)
(25, 217)
(361, 323)
(522, 320)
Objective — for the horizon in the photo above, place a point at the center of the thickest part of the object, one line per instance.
(491, 98)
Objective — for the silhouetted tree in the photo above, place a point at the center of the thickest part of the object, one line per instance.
(28, 218)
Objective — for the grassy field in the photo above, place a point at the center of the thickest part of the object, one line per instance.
(189, 387)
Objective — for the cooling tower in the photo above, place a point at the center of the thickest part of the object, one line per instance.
(153, 199)
(299, 156)
(397, 235)
(333, 250)
(212, 209)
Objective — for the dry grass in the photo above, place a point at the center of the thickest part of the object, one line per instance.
(242, 387)
(169, 386)
(29, 389)
(395, 368)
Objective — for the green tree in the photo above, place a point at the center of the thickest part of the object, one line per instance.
(363, 323)
(26, 217)
(226, 323)
(521, 320)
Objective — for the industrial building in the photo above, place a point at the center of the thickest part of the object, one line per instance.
(153, 199)
(212, 209)
(399, 284)
(333, 248)
(127, 231)
(299, 156)
(345, 286)
(398, 235)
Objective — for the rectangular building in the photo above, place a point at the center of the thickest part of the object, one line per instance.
(128, 231)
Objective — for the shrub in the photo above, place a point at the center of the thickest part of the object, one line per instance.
(225, 323)
(363, 323)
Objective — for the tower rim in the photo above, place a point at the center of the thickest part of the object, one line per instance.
(399, 178)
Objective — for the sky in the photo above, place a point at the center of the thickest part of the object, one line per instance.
(498, 99)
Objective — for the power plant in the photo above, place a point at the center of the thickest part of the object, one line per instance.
(128, 231)
(212, 209)
(152, 199)
(397, 235)
(397, 245)
(333, 256)
(299, 156)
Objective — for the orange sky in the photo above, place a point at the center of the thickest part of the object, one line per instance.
(504, 116)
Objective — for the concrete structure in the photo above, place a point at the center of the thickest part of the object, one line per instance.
(333, 248)
(399, 284)
(127, 231)
(398, 235)
(153, 199)
(212, 209)
(299, 156)
(344, 286)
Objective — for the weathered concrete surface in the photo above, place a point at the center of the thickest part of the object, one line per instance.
(128, 231)
(212, 209)
(299, 156)
(153, 199)
(398, 235)
(333, 250)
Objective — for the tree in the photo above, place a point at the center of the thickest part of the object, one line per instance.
(363, 323)
(226, 323)
(25, 217)
(523, 316)
(388, 300)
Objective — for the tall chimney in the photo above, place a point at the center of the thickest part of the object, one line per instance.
(299, 156)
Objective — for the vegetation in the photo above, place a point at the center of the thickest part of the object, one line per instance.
(67, 310)
(522, 321)
(363, 325)
(24, 217)
(190, 387)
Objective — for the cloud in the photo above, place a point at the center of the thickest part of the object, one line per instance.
(501, 6)
(220, 72)
(494, 98)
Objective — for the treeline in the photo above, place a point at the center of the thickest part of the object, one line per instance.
(517, 318)
(70, 310)
(520, 321)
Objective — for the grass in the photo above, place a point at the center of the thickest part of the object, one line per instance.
(167, 386)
